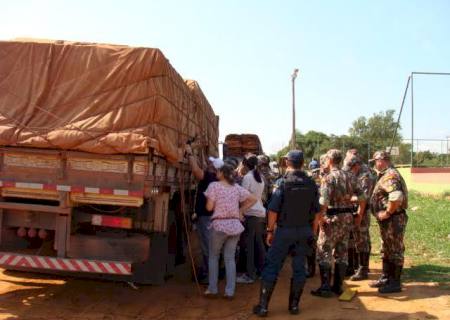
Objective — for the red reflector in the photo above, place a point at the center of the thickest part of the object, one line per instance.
(111, 221)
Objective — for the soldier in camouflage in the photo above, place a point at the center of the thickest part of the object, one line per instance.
(389, 202)
(361, 235)
(268, 177)
(335, 220)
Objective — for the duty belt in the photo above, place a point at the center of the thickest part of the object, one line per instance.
(335, 211)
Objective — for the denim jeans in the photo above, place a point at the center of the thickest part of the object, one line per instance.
(203, 230)
(286, 240)
(217, 241)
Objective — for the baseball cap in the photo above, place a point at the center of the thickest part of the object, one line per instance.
(295, 156)
(313, 165)
(216, 162)
(381, 155)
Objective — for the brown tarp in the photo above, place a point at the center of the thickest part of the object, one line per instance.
(97, 98)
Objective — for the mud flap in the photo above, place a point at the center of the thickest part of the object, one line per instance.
(153, 271)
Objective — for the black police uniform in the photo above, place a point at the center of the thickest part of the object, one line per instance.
(296, 200)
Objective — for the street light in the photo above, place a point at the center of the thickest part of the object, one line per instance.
(293, 77)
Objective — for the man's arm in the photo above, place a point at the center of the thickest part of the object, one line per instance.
(271, 225)
(199, 174)
(391, 208)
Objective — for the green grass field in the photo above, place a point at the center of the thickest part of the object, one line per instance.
(427, 239)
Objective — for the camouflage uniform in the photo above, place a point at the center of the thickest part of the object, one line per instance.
(268, 177)
(391, 187)
(361, 234)
(335, 191)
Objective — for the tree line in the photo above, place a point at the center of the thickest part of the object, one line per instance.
(367, 135)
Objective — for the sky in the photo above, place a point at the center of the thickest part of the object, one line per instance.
(354, 56)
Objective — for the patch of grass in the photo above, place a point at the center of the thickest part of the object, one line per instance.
(427, 239)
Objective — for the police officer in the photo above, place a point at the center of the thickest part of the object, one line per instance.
(335, 220)
(292, 208)
(361, 235)
(389, 203)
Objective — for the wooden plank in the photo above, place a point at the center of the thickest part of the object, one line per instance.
(34, 207)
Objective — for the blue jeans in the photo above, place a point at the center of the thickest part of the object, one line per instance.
(203, 230)
(218, 240)
(293, 240)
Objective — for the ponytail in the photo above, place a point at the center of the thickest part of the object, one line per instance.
(252, 164)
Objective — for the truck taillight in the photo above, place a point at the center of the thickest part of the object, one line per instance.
(111, 221)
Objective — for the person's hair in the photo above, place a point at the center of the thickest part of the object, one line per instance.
(252, 164)
(228, 173)
(337, 160)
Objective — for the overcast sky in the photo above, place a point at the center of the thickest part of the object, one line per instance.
(354, 56)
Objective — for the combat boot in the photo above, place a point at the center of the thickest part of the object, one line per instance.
(311, 261)
(324, 290)
(294, 296)
(261, 309)
(363, 271)
(394, 284)
(339, 273)
(383, 279)
(351, 265)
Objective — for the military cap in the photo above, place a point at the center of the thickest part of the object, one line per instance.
(295, 156)
(334, 155)
(381, 155)
(351, 160)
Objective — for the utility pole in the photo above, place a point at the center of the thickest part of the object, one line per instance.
(293, 142)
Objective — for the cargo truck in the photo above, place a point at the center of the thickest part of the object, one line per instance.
(92, 168)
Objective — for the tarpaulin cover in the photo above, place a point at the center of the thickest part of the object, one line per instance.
(97, 98)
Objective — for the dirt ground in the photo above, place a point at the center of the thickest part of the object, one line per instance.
(33, 296)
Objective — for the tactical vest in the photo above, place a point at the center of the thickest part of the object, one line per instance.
(299, 193)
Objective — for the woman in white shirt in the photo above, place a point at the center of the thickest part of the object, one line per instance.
(255, 219)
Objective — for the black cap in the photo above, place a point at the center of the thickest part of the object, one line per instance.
(295, 156)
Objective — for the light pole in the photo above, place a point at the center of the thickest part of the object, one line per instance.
(293, 77)
(448, 151)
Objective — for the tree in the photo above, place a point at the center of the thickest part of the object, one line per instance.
(377, 130)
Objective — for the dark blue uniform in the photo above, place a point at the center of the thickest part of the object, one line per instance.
(296, 201)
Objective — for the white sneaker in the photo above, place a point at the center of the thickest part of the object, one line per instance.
(244, 279)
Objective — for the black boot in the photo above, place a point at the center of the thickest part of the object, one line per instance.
(311, 265)
(383, 279)
(261, 309)
(363, 271)
(324, 290)
(339, 273)
(294, 296)
(394, 284)
(351, 266)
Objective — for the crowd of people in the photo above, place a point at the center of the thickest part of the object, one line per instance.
(256, 218)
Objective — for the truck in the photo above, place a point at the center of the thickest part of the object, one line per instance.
(93, 178)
